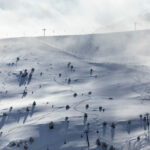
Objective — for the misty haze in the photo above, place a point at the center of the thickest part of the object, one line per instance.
(74, 75)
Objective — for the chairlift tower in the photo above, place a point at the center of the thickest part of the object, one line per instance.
(44, 31)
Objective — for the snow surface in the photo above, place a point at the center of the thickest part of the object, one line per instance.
(120, 84)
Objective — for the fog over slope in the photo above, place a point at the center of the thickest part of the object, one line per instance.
(103, 76)
(119, 47)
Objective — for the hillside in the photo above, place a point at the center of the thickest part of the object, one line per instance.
(93, 86)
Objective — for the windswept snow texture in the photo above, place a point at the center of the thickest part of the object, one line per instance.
(75, 90)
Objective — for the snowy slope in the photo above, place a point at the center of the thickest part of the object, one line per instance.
(119, 85)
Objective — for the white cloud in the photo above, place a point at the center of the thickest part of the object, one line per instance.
(64, 16)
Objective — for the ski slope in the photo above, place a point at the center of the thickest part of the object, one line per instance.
(116, 91)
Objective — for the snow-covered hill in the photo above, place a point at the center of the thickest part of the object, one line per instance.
(90, 87)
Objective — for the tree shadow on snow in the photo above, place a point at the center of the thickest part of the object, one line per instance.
(3, 120)
(54, 138)
(104, 130)
(112, 133)
(32, 110)
(25, 117)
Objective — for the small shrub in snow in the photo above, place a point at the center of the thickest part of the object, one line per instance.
(147, 116)
(71, 67)
(1, 133)
(67, 107)
(34, 103)
(59, 74)
(89, 92)
(12, 144)
(129, 122)
(17, 59)
(32, 70)
(31, 140)
(69, 81)
(144, 119)
(11, 108)
(97, 131)
(25, 73)
(75, 95)
(85, 115)
(24, 93)
(138, 138)
(141, 116)
(100, 108)
(104, 123)
(27, 109)
(69, 63)
(91, 71)
(66, 118)
(98, 143)
(51, 125)
(113, 125)
(87, 106)
(5, 114)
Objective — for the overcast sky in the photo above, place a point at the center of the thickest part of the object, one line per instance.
(28, 17)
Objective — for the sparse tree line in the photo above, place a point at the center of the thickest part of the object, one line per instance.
(14, 63)
(22, 143)
(25, 78)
